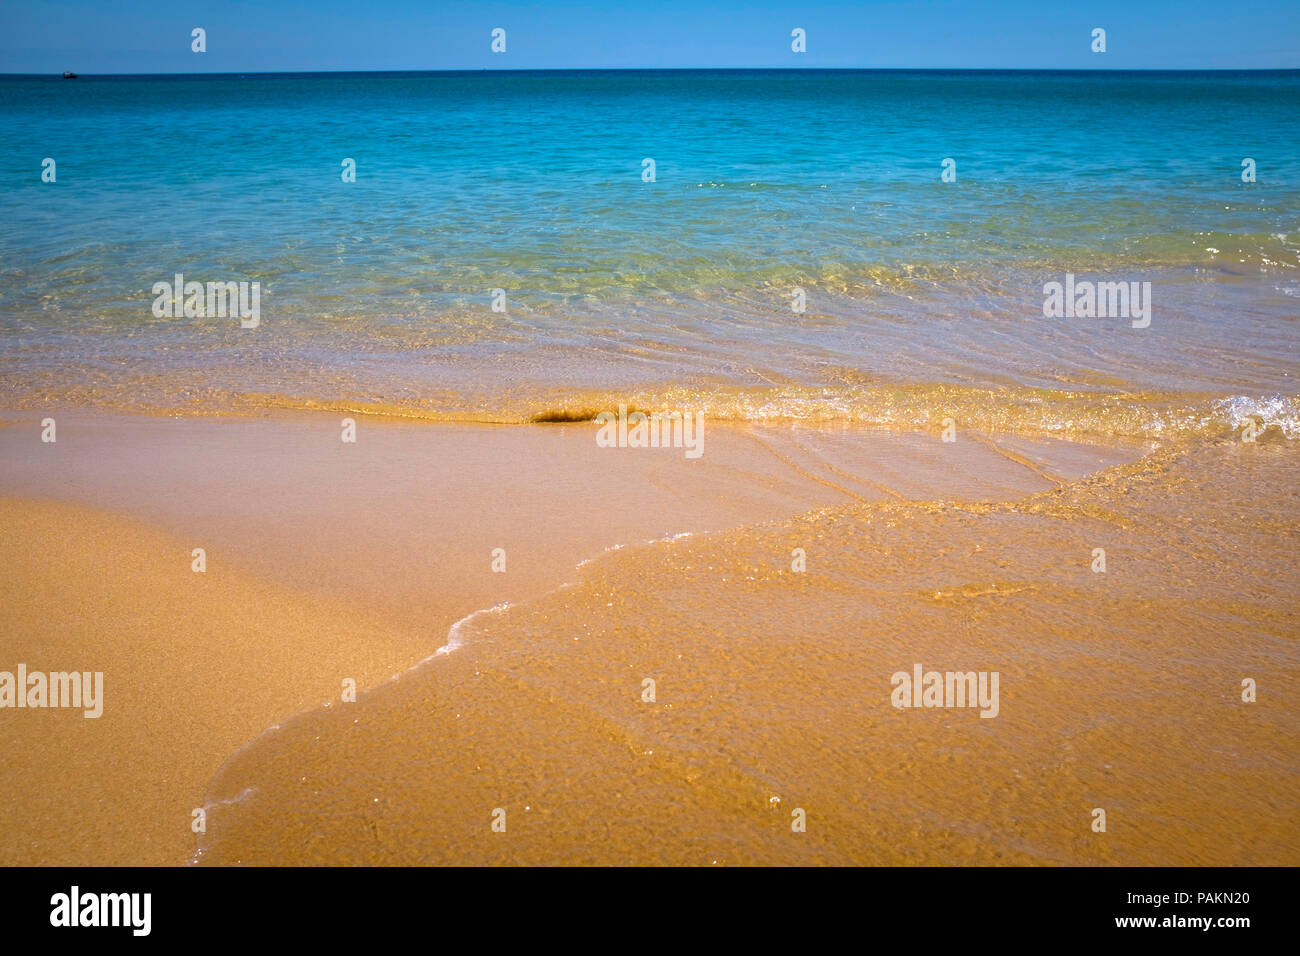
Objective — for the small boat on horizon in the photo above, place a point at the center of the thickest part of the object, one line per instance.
(69, 75)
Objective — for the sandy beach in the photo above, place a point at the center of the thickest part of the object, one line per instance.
(304, 588)
(328, 561)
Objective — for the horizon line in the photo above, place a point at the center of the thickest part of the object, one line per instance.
(689, 69)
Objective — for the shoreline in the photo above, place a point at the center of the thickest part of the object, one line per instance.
(324, 566)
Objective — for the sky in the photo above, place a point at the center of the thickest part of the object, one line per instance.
(135, 36)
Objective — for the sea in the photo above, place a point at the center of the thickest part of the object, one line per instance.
(756, 244)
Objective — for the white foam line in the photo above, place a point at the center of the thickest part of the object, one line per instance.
(453, 633)
(454, 639)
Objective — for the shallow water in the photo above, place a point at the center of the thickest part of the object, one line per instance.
(378, 293)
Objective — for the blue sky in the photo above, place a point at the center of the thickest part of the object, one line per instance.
(133, 36)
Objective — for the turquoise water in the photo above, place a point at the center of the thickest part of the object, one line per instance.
(379, 290)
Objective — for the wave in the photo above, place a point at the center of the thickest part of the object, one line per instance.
(1030, 412)
(1277, 412)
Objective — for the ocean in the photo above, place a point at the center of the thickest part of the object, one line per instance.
(379, 293)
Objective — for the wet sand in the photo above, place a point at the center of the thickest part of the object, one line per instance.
(324, 561)
(1120, 691)
(328, 560)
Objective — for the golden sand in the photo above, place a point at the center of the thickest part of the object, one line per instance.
(772, 686)
(195, 665)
